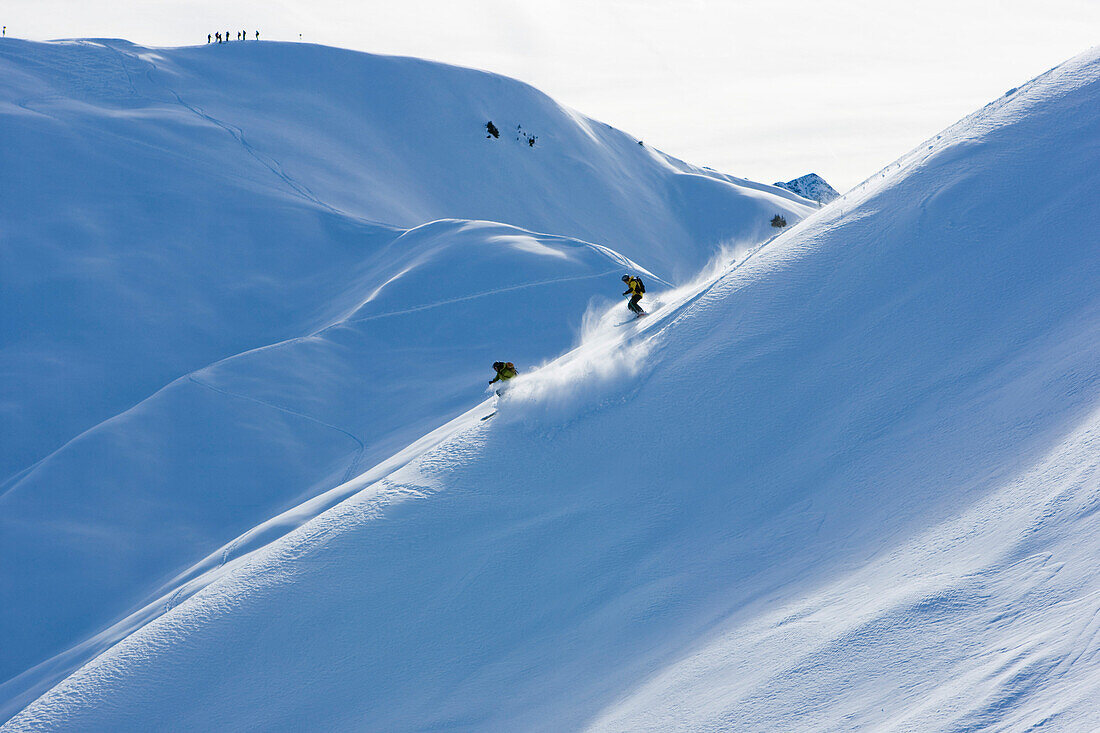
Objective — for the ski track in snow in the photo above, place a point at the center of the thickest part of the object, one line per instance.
(359, 443)
(237, 134)
(474, 296)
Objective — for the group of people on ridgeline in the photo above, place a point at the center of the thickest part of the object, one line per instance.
(634, 290)
(219, 38)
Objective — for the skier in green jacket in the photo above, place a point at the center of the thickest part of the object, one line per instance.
(505, 370)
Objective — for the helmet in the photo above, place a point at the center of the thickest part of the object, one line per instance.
(498, 365)
(626, 278)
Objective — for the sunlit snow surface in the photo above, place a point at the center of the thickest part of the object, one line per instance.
(847, 481)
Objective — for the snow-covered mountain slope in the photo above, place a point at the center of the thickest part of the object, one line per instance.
(210, 455)
(851, 483)
(165, 200)
(235, 276)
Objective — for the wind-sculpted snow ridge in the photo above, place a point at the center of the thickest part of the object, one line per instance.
(236, 276)
(412, 347)
(558, 391)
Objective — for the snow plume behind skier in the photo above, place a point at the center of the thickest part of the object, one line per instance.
(601, 371)
(601, 368)
(606, 359)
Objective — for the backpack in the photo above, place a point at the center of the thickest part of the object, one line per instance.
(641, 285)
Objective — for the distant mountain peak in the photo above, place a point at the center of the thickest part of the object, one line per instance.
(813, 187)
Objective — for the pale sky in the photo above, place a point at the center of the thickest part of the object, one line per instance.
(763, 89)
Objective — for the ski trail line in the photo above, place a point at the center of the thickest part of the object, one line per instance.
(237, 134)
(474, 296)
(361, 446)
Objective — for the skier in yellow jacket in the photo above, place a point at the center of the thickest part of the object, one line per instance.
(635, 289)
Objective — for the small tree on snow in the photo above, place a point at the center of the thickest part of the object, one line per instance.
(778, 221)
